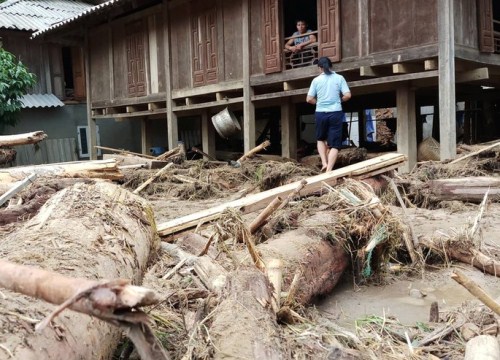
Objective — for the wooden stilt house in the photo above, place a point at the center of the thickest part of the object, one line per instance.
(173, 64)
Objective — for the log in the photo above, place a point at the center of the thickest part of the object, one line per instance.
(22, 139)
(260, 200)
(486, 148)
(476, 290)
(482, 347)
(104, 169)
(261, 219)
(152, 178)
(89, 231)
(244, 325)
(125, 152)
(463, 252)
(345, 157)
(254, 151)
(125, 160)
(470, 189)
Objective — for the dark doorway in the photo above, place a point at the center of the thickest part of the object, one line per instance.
(294, 10)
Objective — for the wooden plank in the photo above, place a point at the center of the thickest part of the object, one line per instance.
(133, 114)
(430, 64)
(260, 200)
(473, 75)
(374, 71)
(209, 104)
(202, 90)
(288, 129)
(153, 54)
(248, 105)
(406, 68)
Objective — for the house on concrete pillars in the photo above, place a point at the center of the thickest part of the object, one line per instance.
(172, 64)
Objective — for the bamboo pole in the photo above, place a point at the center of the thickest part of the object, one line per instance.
(475, 290)
(120, 151)
(261, 219)
(152, 178)
(475, 153)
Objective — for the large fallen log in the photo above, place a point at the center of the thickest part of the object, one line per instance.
(469, 189)
(482, 347)
(104, 169)
(345, 157)
(89, 231)
(260, 200)
(22, 139)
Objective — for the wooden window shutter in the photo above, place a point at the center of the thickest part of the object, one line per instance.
(136, 59)
(211, 46)
(78, 73)
(485, 20)
(329, 29)
(204, 47)
(270, 36)
(197, 25)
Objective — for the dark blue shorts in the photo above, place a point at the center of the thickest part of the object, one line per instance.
(329, 128)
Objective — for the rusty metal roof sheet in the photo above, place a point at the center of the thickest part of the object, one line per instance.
(33, 101)
(34, 15)
(87, 12)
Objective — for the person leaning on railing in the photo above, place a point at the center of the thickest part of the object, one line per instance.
(297, 42)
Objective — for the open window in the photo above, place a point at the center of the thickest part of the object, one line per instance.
(74, 74)
(323, 19)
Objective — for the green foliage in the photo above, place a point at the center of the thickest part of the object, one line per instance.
(15, 80)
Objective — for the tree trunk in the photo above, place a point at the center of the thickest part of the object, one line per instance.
(104, 169)
(92, 231)
(470, 189)
(244, 325)
(345, 157)
(22, 139)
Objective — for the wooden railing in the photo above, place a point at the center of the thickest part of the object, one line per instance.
(305, 57)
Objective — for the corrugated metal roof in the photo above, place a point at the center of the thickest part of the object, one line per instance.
(32, 101)
(34, 15)
(85, 13)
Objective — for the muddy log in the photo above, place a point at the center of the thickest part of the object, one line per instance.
(90, 231)
(22, 139)
(319, 263)
(470, 189)
(244, 325)
(463, 251)
(104, 169)
(345, 157)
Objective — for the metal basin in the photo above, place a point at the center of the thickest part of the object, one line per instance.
(226, 123)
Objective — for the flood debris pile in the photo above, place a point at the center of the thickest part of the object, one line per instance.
(239, 279)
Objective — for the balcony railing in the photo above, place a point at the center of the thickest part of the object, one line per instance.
(305, 57)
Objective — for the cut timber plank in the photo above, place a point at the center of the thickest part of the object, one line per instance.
(260, 200)
(125, 160)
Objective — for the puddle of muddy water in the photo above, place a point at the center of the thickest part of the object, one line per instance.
(347, 304)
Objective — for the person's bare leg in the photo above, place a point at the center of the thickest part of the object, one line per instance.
(332, 157)
(323, 153)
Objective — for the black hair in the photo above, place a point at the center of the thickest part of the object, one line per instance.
(325, 63)
(300, 20)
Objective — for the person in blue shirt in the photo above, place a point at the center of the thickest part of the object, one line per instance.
(327, 91)
(296, 44)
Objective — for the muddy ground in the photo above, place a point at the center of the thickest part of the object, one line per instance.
(400, 294)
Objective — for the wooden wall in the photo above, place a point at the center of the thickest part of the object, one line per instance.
(398, 24)
(42, 59)
(350, 30)
(187, 53)
(99, 64)
(466, 26)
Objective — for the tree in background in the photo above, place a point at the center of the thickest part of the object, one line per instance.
(15, 80)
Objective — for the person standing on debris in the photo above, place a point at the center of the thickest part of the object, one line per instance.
(327, 91)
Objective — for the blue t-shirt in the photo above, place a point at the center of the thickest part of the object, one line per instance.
(327, 90)
(301, 39)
